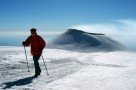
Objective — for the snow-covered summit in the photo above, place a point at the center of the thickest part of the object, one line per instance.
(74, 39)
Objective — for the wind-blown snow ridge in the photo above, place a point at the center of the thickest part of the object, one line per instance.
(74, 39)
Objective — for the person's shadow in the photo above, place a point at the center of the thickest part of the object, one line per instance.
(19, 82)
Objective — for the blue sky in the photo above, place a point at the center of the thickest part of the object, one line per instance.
(62, 14)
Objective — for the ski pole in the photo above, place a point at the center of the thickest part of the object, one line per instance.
(26, 59)
(45, 65)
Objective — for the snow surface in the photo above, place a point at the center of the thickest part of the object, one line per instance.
(90, 69)
(68, 70)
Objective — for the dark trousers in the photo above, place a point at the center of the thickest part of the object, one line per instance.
(36, 64)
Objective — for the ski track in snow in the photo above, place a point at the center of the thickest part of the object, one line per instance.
(68, 70)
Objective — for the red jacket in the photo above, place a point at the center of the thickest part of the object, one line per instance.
(37, 44)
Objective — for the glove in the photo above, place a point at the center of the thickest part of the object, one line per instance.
(23, 43)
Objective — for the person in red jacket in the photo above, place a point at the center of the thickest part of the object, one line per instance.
(37, 45)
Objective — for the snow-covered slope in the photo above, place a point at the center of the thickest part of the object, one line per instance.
(79, 40)
(68, 70)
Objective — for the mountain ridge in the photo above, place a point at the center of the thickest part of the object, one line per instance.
(74, 39)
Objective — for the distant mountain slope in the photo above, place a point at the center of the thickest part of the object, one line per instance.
(79, 40)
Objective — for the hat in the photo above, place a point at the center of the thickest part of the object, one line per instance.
(33, 30)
